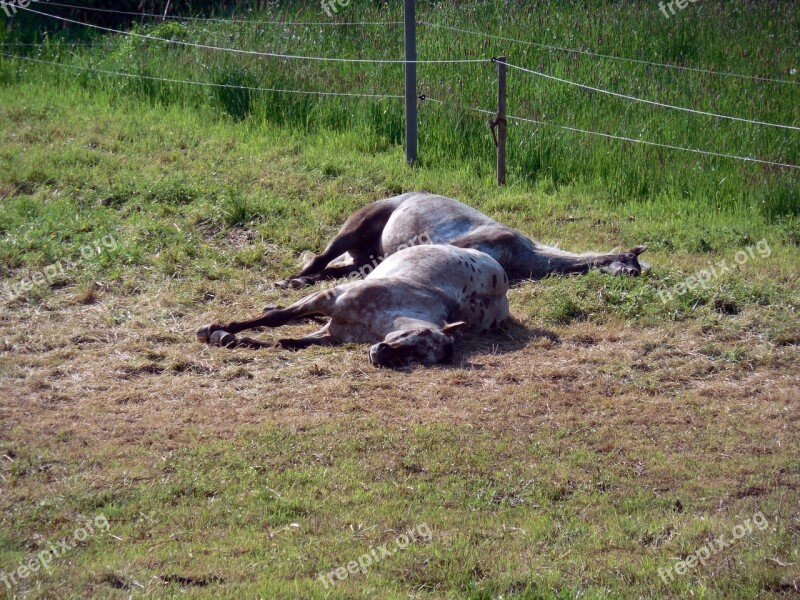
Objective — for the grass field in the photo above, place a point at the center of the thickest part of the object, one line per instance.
(607, 433)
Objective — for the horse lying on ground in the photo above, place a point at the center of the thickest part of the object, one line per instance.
(384, 227)
(408, 307)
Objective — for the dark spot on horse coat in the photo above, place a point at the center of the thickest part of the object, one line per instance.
(494, 280)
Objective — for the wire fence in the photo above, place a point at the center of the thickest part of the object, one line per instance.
(610, 56)
(200, 83)
(650, 102)
(243, 20)
(638, 141)
(379, 95)
(256, 52)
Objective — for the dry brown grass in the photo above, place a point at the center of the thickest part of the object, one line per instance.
(66, 366)
(111, 391)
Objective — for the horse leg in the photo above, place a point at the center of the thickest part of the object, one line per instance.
(318, 303)
(313, 318)
(360, 236)
(228, 340)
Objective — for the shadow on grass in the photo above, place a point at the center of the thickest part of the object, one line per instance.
(513, 336)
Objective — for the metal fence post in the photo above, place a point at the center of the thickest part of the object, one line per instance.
(501, 120)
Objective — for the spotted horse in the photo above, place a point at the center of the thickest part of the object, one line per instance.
(387, 226)
(409, 307)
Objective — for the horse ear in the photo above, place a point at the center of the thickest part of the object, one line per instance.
(451, 328)
(638, 250)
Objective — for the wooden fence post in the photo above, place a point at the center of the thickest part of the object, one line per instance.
(500, 122)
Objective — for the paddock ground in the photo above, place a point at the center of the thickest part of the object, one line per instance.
(600, 437)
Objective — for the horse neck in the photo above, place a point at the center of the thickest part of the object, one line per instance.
(539, 260)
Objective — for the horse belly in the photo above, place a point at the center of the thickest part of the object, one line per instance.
(483, 313)
(483, 294)
(475, 284)
(429, 219)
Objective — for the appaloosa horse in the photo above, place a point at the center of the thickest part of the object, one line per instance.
(408, 307)
(382, 228)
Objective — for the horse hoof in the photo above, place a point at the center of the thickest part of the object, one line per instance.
(299, 283)
(282, 284)
(222, 338)
(204, 334)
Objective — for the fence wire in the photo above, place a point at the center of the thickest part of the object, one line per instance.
(400, 61)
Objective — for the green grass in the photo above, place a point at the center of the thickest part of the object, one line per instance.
(540, 517)
(168, 194)
(586, 480)
(551, 514)
(739, 37)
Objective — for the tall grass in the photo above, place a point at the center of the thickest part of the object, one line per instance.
(746, 37)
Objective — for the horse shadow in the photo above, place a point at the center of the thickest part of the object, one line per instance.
(510, 337)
